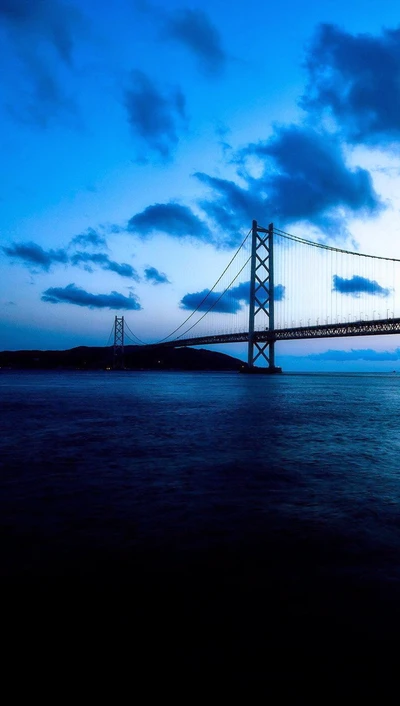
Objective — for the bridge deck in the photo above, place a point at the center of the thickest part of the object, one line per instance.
(377, 327)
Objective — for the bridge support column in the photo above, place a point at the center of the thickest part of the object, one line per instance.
(261, 311)
(118, 360)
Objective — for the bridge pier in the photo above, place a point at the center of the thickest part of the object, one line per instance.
(261, 310)
(267, 351)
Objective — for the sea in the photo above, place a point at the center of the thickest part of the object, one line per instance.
(244, 524)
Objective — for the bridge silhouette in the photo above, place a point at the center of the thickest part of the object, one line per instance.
(281, 287)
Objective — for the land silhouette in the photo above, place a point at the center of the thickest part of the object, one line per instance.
(135, 358)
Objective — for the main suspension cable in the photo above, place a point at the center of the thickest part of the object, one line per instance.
(134, 335)
(217, 300)
(298, 239)
(206, 295)
(110, 336)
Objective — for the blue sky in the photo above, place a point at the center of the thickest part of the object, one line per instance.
(139, 139)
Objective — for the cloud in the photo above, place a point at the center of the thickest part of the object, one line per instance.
(229, 303)
(32, 254)
(355, 79)
(49, 19)
(279, 292)
(155, 277)
(358, 285)
(41, 34)
(309, 179)
(231, 207)
(195, 31)
(45, 102)
(242, 292)
(154, 117)
(224, 305)
(362, 354)
(71, 294)
(171, 218)
(89, 239)
(303, 178)
(102, 260)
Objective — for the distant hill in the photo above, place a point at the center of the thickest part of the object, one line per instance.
(135, 358)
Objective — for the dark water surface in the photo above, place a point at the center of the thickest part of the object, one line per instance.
(239, 513)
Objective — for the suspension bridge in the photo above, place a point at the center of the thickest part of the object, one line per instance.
(280, 287)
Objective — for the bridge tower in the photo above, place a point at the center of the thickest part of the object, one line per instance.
(261, 312)
(118, 360)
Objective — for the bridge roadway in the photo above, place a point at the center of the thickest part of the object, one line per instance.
(377, 327)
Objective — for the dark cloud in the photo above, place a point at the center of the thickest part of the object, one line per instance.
(279, 292)
(356, 79)
(229, 303)
(171, 218)
(32, 254)
(102, 260)
(41, 34)
(71, 294)
(358, 285)
(155, 277)
(223, 305)
(304, 178)
(154, 117)
(362, 354)
(231, 207)
(44, 101)
(50, 19)
(195, 31)
(242, 292)
(89, 239)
